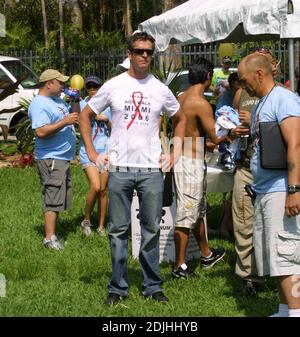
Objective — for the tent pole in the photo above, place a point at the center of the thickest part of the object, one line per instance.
(292, 64)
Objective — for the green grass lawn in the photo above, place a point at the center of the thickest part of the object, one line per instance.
(73, 282)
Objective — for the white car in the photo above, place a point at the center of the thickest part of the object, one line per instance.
(12, 69)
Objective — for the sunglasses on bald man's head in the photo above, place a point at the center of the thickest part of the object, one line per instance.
(139, 51)
(261, 50)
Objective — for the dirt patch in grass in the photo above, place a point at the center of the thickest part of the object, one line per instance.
(8, 160)
(16, 160)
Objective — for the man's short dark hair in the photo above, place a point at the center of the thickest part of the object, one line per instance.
(143, 36)
(199, 70)
(233, 78)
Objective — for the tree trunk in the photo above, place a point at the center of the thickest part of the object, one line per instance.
(169, 4)
(76, 16)
(9, 4)
(154, 7)
(45, 24)
(116, 23)
(103, 14)
(127, 18)
(137, 6)
(61, 31)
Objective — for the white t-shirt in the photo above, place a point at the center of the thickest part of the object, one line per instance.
(135, 106)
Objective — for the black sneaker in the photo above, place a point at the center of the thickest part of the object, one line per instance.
(208, 262)
(113, 299)
(182, 273)
(159, 297)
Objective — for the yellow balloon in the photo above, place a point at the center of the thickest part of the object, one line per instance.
(226, 49)
(77, 82)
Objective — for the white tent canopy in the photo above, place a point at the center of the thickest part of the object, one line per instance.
(204, 21)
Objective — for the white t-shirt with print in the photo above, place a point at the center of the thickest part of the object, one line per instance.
(135, 106)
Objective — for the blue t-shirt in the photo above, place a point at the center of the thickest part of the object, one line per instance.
(100, 135)
(278, 105)
(60, 145)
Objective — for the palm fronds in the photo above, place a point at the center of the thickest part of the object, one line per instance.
(169, 77)
(24, 132)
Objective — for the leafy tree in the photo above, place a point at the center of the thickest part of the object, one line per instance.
(24, 132)
(169, 76)
(36, 22)
(18, 36)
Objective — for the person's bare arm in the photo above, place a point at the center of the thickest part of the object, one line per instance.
(50, 129)
(290, 128)
(85, 118)
(205, 114)
(179, 120)
(167, 160)
(102, 118)
(245, 118)
(236, 99)
(179, 124)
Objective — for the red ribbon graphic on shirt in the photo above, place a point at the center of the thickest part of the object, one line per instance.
(98, 129)
(137, 106)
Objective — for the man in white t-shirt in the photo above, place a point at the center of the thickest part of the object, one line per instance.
(136, 99)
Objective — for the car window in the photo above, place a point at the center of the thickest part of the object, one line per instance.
(4, 80)
(184, 81)
(18, 70)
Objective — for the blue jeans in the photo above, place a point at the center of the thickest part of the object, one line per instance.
(149, 187)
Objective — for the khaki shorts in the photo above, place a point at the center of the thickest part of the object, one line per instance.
(190, 186)
(276, 237)
(55, 181)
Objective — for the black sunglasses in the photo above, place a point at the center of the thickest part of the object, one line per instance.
(227, 59)
(92, 86)
(139, 51)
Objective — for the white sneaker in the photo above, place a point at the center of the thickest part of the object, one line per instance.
(274, 315)
(101, 231)
(86, 227)
(53, 243)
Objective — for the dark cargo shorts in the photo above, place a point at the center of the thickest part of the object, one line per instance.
(55, 181)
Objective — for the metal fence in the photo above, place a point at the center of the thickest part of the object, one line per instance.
(85, 63)
(104, 63)
(278, 48)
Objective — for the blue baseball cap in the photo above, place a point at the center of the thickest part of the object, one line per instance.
(93, 79)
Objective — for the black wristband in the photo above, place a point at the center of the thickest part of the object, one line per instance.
(293, 188)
